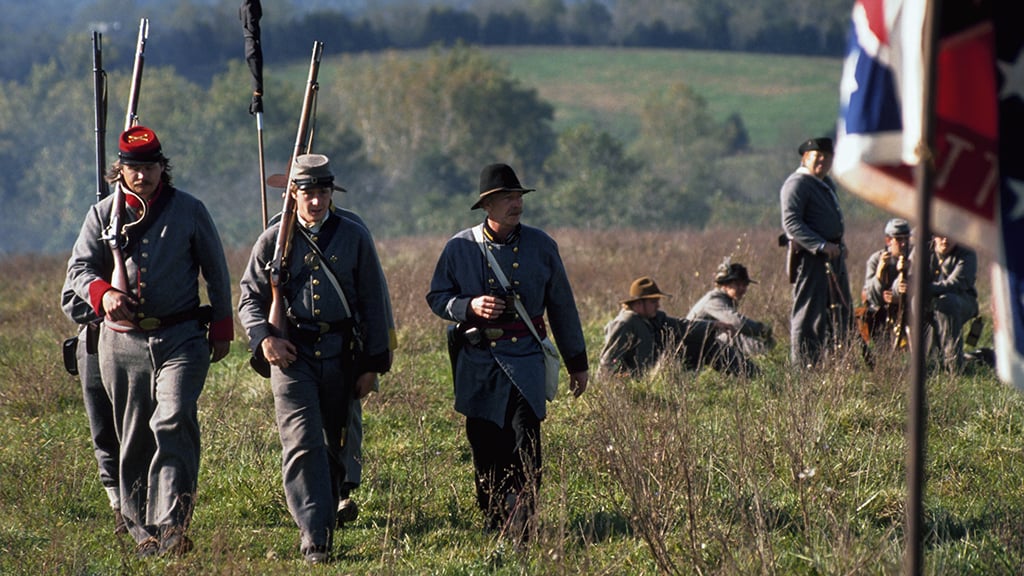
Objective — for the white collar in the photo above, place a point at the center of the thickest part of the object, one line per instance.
(312, 227)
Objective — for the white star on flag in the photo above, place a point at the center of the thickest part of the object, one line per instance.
(1013, 78)
(1018, 207)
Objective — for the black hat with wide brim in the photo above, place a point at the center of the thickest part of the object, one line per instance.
(729, 272)
(496, 178)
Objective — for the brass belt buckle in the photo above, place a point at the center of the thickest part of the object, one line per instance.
(149, 323)
(324, 327)
(493, 333)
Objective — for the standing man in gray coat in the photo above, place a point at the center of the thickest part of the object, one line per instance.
(336, 307)
(157, 342)
(813, 224)
(498, 364)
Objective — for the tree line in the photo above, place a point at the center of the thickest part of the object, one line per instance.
(202, 36)
(409, 134)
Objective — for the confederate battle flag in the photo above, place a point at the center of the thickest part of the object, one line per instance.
(979, 134)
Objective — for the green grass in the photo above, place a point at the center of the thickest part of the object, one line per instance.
(789, 473)
(777, 96)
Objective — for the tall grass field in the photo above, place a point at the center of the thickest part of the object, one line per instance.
(792, 472)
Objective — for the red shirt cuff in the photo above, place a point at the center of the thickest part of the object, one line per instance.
(97, 289)
(223, 330)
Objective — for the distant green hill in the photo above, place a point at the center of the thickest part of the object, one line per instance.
(782, 99)
(778, 97)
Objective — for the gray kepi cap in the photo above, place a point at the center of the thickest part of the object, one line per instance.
(313, 171)
(897, 227)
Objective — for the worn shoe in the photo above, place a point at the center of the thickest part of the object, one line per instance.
(348, 511)
(174, 542)
(519, 526)
(317, 555)
(148, 547)
(120, 526)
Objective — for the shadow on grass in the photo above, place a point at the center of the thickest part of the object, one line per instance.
(601, 526)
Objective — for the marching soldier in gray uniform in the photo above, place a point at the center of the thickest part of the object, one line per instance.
(743, 336)
(813, 223)
(954, 299)
(333, 296)
(498, 365)
(155, 349)
(352, 451)
(885, 282)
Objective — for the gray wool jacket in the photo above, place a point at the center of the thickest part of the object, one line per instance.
(484, 376)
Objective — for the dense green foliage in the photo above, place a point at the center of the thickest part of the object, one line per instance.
(794, 472)
(199, 37)
(659, 139)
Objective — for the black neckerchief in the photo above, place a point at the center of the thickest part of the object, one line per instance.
(135, 232)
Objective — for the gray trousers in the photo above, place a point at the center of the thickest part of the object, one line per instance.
(821, 312)
(949, 314)
(100, 413)
(154, 380)
(311, 403)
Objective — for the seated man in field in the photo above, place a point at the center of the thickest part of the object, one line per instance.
(642, 334)
(886, 307)
(744, 337)
(954, 299)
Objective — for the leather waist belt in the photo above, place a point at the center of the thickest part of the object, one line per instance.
(202, 314)
(507, 330)
(798, 249)
(320, 328)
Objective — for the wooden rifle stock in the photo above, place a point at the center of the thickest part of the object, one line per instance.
(277, 315)
(115, 235)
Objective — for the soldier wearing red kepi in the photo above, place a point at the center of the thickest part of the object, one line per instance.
(155, 361)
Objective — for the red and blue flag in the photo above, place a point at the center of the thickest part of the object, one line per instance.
(978, 197)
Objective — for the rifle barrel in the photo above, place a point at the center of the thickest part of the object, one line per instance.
(116, 236)
(100, 108)
(277, 319)
(132, 116)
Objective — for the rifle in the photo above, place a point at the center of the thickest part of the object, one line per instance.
(115, 236)
(838, 307)
(132, 116)
(277, 319)
(99, 81)
(900, 331)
